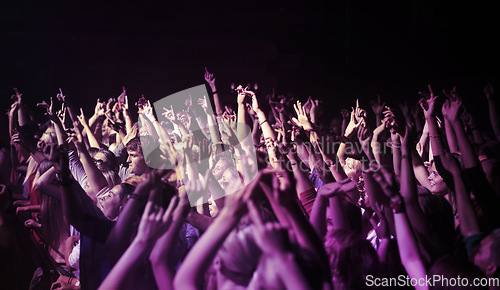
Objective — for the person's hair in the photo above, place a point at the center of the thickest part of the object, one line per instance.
(134, 145)
(54, 225)
(439, 215)
(134, 180)
(93, 151)
(351, 258)
(126, 189)
(111, 177)
(451, 267)
(239, 256)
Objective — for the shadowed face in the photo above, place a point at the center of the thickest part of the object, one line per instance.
(110, 202)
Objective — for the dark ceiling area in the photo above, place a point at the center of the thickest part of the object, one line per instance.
(333, 50)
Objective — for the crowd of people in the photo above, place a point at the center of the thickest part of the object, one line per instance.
(270, 192)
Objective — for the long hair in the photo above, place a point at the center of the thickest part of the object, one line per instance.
(351, 259)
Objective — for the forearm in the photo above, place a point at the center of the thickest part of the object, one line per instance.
(242, 129)
(119, 238)
(469, 157)
(318, 215)
(128, 121)
(288, 271)
(450, 137)
(127, 265)
(466, 214)
(91, 137)
(266, 128)
(494, 117)
(435, 136)
(338, 214)
(95, 178)
(408, 248)
(191, 273)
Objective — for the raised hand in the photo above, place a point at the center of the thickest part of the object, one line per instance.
(302, 120)
(49, 108)
(147, 110)
(451, 109)
(382, 227)
(100, 109)
(270, 237)
(169, 114)
(488, 90)
(359, 113)
(450, 163)
(210, 79)
(364, 138)
(17, 97)
(81, 118)
(122, 98)
(377, 106)
(155, 220)
(427, 103)
(255, 102)
(61, 97)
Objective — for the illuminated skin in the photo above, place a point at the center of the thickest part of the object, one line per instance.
(229, 176)
(106, 129)
(438, 186)
(101, 161)
(220, 168)
(45, 139)
(110, 203)
(184, 118)
(212, 207)
(136, 163)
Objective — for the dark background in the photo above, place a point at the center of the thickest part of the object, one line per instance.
(333, 50)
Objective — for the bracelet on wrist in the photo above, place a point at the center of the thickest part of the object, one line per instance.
(214, 92)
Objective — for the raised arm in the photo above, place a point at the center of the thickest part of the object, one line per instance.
(210, 79)
(154, 222)
(95, 178)
(493, 110)
(190, 274)
(466, 214)
(407, 243)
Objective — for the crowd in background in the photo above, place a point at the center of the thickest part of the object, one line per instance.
(292, 195)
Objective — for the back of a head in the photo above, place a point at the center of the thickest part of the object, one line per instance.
(449, 268)
(351, 258)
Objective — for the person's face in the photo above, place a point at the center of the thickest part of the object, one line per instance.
(185, 118)
(110, 203)
(212, 207)
(106, 129)
(482, 257)
(101, 161)
(438, 186)
(45, 140)
(227, 178)
(220, 168)
(136, 163)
